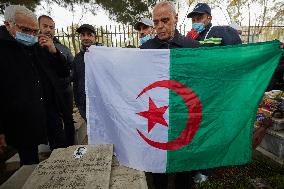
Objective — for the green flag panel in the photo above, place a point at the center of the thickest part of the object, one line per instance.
(229, 82)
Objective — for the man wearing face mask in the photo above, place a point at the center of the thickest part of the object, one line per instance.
(145, 29)
(88, 37)
(208, 35)
(29, 72)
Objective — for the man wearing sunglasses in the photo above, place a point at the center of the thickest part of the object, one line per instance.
(30, 100)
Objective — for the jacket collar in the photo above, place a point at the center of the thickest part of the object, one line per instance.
(176, 40)
(203, 33)
(207, 28)
(5, 35)
(55, 40)
(83, 49)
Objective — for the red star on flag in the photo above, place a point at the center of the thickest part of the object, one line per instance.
(154, 115)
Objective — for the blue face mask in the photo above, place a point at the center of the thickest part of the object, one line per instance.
(199, 27)
(26, 39)
(145, 38)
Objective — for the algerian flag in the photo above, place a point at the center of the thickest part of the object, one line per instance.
(180, 109)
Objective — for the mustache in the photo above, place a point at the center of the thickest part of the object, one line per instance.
(48, 34)
(87, 41)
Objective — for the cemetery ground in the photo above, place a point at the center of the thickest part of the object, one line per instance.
(261, 172)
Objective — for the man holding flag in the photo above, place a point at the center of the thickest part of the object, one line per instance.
(168, 109)
(165, 20)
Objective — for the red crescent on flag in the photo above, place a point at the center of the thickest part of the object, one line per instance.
(194, 115)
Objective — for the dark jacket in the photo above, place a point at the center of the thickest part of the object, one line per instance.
(28, 80)
(78, 68)
(277, 80)
(66, 52)
(79, 83)
(229, 35)
(178, 41)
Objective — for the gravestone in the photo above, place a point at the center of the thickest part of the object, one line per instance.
(55, 172)
(123, 177)
(272, 145)
(80, 129)
(78, 167)
(18, 179)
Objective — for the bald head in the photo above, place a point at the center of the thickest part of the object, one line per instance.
(165, 20)
(166, 4)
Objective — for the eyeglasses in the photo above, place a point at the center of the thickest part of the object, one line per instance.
(27, 30)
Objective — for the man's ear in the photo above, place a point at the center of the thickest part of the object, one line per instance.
(7, 25)
(152, 30)
(209, 17)
(176, 17)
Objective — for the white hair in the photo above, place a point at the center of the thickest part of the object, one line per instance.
(12, 10)
(167, 3)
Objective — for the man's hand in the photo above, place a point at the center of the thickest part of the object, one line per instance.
(260, 132)
(258, 135)
(193, 34)
(2, 142)
(47, 42)
(267, 122)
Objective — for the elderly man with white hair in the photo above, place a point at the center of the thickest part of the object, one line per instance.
(165, 20)
(29, 72)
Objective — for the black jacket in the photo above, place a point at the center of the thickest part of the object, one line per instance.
(78, 68)
(277, 81)
(79, 82)
(28, 80)
(178, 41)
(66, 52)
(229, 35)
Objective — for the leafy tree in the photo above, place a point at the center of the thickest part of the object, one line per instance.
(123, 11)
(31, 4)
(127, 11)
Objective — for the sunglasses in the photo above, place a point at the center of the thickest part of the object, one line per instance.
(27, 30)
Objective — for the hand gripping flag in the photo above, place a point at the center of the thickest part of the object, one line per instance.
(180, 109)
